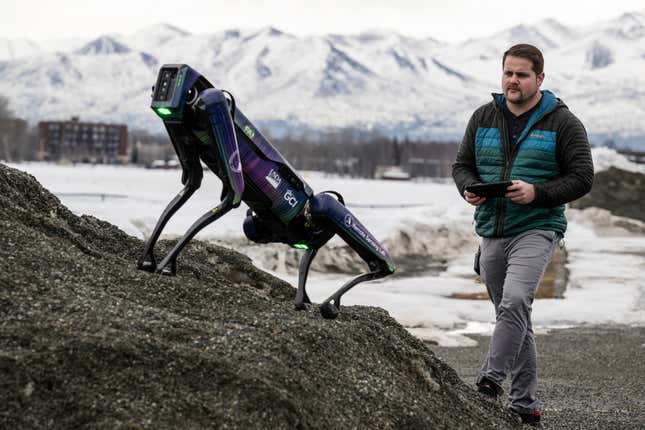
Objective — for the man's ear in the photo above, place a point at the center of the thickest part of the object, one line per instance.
(540, 79)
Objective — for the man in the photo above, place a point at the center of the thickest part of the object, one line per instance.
(530, 137)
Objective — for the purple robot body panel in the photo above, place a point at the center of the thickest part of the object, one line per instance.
(223, 130)
(268, 151)
(348, 225)
(286, 200)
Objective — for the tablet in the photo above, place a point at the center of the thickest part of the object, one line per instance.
(489, 189)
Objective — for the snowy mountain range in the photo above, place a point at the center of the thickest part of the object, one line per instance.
(379, 80)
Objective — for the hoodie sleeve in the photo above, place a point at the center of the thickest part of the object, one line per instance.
(464, 169)
(576, 167)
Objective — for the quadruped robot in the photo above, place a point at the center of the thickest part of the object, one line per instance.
(206, 127)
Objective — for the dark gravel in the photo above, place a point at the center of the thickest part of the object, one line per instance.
(88, 341)
(589, 377)
(618, 191)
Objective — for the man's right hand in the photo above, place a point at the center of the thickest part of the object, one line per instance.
(473, 198)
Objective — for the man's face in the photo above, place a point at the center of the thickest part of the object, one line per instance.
(519, 82)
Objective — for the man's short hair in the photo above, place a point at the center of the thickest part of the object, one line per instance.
(529, 52)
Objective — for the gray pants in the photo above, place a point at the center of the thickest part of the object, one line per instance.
(511, 268)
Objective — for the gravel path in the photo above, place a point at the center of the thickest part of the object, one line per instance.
(590, 377)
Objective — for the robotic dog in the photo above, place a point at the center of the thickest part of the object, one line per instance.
(205, 126)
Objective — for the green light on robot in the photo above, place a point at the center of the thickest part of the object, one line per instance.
(300, 246)
(164, 111)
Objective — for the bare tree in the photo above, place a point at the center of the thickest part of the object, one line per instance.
(5, 112)
(16, 142)
(148, 147)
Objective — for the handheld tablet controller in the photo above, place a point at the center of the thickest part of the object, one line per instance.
(489, 189)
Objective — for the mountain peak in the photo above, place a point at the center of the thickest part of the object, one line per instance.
(387, 36)
(163, 29)
(632, 16)
(558, 33)
(314, 81)
(523, 33)
(272, 31)
(630, 25)
(155, 35)
(266, 32)
(103, 45)
(554, 24)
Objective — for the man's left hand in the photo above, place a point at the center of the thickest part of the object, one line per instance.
(521, 192)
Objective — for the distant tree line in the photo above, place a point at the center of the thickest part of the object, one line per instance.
(147, 149)
(17, 141)
(350, 152)
(347, 152)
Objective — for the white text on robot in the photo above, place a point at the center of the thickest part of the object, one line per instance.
(289, 197)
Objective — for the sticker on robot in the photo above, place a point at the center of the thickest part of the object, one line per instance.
(234, 162)
(249, 131)
(274, 179)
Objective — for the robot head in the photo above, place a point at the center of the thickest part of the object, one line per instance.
(177, 85)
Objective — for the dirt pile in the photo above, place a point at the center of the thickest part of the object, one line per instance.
(619, 191)
(88, 341)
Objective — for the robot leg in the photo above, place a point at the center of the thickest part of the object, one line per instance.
(168, 265)
(192, 178)
(330, 212)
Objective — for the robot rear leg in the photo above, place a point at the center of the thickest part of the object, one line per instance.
(168, 265)
(329, 212)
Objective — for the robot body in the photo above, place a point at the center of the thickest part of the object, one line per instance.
(204, 125)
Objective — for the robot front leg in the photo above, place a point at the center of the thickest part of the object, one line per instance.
(168, 265)
(192, 175)
(326, 210)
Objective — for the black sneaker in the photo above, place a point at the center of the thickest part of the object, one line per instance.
(532, 419)
(488, 388)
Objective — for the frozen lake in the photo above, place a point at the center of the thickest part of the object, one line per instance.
(606, 265)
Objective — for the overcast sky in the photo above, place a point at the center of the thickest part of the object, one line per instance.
(446, 20)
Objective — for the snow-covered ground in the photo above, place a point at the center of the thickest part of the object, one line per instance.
(606, 263)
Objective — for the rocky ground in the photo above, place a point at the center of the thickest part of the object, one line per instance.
(88, 341)
(619, 191)
(589, 377)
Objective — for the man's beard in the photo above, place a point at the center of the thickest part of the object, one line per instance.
(522, 99)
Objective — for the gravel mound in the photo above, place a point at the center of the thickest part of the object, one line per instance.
(621, 192)
(88, 341)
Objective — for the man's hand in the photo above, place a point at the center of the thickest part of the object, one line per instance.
(473, 198)
(521, 192)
